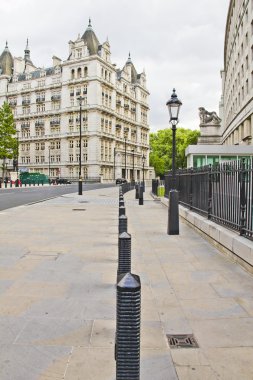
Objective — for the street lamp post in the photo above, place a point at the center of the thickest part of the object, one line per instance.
(133, 164)
(173, 105)
(125, 138)
(80, 182)
(16, 160)
(114, 154)
(49, 158)
(143, 163)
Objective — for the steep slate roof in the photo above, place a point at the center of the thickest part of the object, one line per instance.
(6, 62)
(134, 74)
(91, 39)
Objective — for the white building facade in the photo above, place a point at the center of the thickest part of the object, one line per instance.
(46, 107)
(236, 107)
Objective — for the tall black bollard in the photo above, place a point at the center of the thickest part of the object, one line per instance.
(122, 210)
(141, 201)
(128, 324)
(124, 253)
(136, 191)
(121, 202)
(122, 224)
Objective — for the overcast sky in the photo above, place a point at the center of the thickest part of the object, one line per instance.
(178, 42)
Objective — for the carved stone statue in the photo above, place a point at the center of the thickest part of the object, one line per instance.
(209, 118)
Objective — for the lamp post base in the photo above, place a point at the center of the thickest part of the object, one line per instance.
(173, 213)
(80, 187)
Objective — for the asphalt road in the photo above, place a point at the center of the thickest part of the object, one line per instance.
(20, 196)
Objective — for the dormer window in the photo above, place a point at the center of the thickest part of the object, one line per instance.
(78, 53)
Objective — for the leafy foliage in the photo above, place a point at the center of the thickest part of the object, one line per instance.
(8, 141)
(161, 148)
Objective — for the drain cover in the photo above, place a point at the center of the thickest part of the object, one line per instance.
(79, 209)
(83, 202)
(182, 341)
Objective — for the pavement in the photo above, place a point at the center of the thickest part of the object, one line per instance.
(58, 265)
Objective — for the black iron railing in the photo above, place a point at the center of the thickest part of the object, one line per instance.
(222, 192)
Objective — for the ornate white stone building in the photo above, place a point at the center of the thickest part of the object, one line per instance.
(115, 129)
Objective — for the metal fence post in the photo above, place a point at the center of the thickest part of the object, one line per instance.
(124, 253)
(128, 323)
(191, 187)
(209, 211)
(242, 198)
(122, 224)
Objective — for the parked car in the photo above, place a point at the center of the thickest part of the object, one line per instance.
(119, 181)
(62, 181)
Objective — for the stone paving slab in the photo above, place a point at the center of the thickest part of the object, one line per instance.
(58, 304)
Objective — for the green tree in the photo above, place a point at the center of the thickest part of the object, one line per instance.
(8, 141)
(161, 148)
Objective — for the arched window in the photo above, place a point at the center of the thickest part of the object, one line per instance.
(79, 72)
(85, 71)
(72, 74)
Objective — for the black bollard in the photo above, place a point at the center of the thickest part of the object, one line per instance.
(128, 324)
(121, 202)
(141, 200)
(122, 224)
(136, 191)
(10, 183)
(122, 210)
(124, 253)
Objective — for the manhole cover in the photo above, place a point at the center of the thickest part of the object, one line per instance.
(83, 202)
(182, 341)
(79, 209)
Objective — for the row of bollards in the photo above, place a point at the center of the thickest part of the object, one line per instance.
(128, 318)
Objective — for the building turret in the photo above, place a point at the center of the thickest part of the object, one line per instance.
(27, 54)
(6, 62)
(91, 40)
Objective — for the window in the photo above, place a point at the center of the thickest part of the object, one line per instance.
(58, 158)
(199, 161)
(71, 143)
(42, 159)
(71, 158)
(37, 159)
(58, 145)
(79, 72)
(37, 146)
(77, 143)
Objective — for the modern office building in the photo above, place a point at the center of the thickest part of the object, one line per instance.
(46, 105)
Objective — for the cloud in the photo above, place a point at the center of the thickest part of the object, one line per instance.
(179, 43)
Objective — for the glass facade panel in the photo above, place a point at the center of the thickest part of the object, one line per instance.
(199, 161)
(212, 160)
(228, 158)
